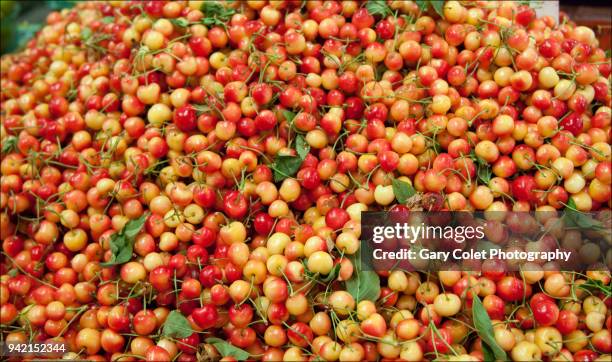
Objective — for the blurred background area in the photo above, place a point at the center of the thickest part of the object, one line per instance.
(20, 20)
(597, 15)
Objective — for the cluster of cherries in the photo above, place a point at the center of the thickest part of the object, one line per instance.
(203, 166)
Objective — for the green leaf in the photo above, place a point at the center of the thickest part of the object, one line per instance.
(86, 33)
(286, 166)
(378, 7)
(9, 144)
(608, 53)
(108, 19)
(289, 116)
(484, 326)
(215, 13)
(422, 4)
(484, 174)
(483, 169)
(226, 349)
(592, 284)
(438, 6)
(122, 242)
(122, 253)
(132, 227)
(301, 146)
(60, 4)
(26, 31)
(580, 219)
(364, 285)
(177, 326)
(402, 190)
(487, 353)
(180, 22)
(212, 21)
(333, 274)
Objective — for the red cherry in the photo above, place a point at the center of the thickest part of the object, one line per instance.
(263, 223)
(567, 322)
(585, 355)
(539, 298)
(189, 345)
(205, 316)
(235, 205)
(185, 118)
(210, 275)
(197, 254)
(300, 334)
(154, 8)
(336, 218)
(309, 178)
(522, 188)
(246, 126)
(550, 48)
(440, 341)
(385, 29)
(232, 273)
(240, 315)
(265, 120)
(262, 93)
(388, 160)
(510, 289)
(354, 108)
(204, 237)
(362, 18)
(573, 123)
(242, 337)
(201, 46)
(545, 313)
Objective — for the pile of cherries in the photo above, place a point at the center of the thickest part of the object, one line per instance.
(176, 172)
